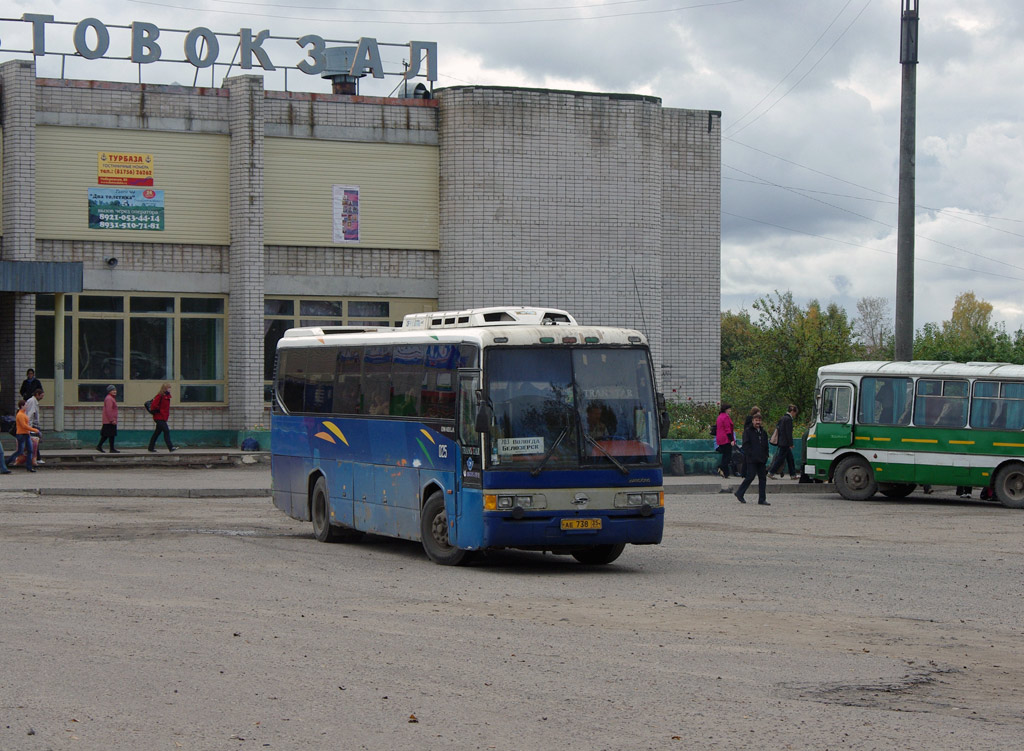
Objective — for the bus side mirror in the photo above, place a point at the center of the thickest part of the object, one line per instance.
(484, 415)
(663, 419)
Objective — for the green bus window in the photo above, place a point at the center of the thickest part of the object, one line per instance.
(941, 403)
(885, 401)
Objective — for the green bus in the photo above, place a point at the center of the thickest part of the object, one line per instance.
(890, 426)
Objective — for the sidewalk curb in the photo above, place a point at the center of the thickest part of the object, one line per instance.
(146, 492)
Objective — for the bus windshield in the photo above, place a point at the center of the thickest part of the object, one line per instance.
(571, 407)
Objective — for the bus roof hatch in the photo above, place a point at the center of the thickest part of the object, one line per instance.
(501, 316)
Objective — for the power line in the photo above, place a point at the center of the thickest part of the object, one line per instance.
(795, 66)
(949, 212)
(868, 247)
(769, 183)
(443, 23)
(800, 80)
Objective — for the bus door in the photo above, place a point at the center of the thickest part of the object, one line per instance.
(835, 416)
(469, 476)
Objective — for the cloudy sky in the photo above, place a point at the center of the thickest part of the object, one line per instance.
(810, 100)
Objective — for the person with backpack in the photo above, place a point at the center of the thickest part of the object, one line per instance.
(160, 408)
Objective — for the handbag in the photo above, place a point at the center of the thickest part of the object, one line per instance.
(774, 439)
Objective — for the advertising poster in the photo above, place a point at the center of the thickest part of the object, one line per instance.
(126, 208)
(119, 168)
(346, 214)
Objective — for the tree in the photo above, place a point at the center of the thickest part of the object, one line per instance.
(787, 346)
(968, 335)
(873, 327)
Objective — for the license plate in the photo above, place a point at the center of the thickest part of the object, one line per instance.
(581, 524)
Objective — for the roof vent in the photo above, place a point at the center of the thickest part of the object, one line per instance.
(488, 317)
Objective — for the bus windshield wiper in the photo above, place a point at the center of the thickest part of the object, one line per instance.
(540, 467)
(590, 439)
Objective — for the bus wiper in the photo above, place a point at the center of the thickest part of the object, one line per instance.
(554, 445)
(590, 439)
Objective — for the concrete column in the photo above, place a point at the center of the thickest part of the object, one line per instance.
(17, 311)
(246, 261)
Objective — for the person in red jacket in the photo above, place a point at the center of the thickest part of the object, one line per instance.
(161, 409)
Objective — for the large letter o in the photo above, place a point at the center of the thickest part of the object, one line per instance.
(102, 39)
(212, 47)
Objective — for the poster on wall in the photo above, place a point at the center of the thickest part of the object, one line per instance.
(346, 214)
(120, 168)
(126, 208)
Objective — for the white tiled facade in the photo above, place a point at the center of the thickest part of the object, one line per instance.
(604, 205)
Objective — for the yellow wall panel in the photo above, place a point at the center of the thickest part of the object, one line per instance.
(398, 192)
(191, 169)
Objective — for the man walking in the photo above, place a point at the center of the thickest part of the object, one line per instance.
(785, 444)
(755, 452)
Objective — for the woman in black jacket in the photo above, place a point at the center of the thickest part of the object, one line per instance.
(785, 444)
(755, 453)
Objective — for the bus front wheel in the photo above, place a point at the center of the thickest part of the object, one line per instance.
(1009, 485)
(434, 533)
(854, 479)
(599, 555)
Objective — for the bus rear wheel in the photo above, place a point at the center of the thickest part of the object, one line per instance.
(434, 533)
(896, 489)
(854, 479)
(323, 530)
(598, 555)
(1009, 485)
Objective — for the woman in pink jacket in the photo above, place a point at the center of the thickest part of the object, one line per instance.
(109, 429)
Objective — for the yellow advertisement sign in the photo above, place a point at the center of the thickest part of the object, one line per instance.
(120, 168)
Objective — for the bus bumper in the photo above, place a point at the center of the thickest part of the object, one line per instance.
(545, 529)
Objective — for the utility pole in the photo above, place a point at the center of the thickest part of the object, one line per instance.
(904, 328)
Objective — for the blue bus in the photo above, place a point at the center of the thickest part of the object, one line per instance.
(470, 431)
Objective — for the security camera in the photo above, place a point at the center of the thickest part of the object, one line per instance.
(112, 262)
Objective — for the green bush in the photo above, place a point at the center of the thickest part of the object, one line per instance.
(691, 419)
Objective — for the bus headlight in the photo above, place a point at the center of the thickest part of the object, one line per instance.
(638, 500)
(505, 502)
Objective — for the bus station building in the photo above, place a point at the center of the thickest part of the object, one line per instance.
(262, 210)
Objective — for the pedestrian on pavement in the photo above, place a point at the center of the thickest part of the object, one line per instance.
(724, 438)
(32, 410)
(29, 385)
(25, 433)
(755, 451)
(161, 409)
(785, 444)
(3, 461)
(755, 410)
(108, 429)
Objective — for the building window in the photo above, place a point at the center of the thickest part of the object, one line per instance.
(283, 313)
(137, 342)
